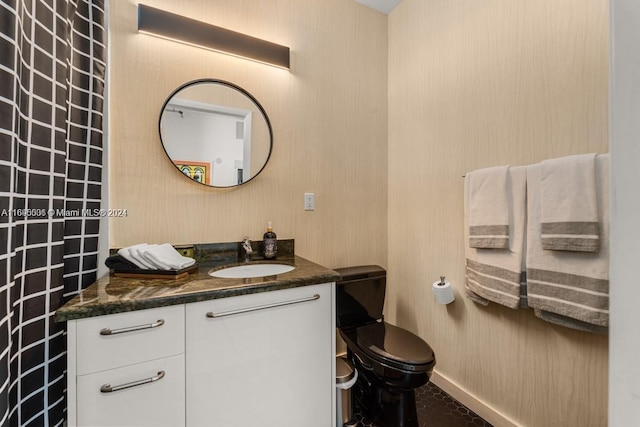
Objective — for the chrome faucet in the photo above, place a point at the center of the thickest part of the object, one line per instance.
(246, 245)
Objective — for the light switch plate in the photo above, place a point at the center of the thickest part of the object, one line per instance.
(309, 201)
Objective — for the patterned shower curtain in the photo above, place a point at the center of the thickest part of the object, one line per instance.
(52, 75)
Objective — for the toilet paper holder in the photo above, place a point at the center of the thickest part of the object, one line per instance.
(443, 291)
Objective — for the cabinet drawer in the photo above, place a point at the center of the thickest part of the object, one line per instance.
(144, 402)
(115, 340)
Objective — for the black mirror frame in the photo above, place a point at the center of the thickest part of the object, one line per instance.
(232, 86)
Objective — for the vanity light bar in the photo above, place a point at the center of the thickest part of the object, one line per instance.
(197, 33)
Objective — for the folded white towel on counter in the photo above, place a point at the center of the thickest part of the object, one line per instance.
(570, 284)
(124, 253)
(568, 204)
(496, 274)
(488, 208)
(144, 253)
(138, 251)
(156, 257)
(156, 264)
(128, 254)
(167, 258)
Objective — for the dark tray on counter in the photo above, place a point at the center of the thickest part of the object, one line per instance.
(156, 274)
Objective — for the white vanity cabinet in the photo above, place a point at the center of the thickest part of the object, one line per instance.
(127, 369)
(261, 359)
(265, 359)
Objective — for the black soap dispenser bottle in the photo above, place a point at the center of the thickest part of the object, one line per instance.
(270, 243)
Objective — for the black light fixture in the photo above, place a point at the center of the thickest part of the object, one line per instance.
(197, 33)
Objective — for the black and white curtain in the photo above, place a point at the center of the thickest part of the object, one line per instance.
(52, 76)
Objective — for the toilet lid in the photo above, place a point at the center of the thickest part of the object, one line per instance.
(394, 345)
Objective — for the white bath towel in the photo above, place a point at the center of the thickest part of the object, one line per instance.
(495, 274)
(128, 254)
(570, 284)
(137, 252)
(488, 208)
(167, 258)
(144, 253)
(568, 204)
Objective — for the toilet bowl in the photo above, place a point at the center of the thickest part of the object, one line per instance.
(392, 362)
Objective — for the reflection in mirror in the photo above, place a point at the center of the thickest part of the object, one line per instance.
(215, 133)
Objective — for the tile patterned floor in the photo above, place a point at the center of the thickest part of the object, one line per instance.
(437, 409)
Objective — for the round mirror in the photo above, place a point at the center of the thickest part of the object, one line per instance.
(215, 133)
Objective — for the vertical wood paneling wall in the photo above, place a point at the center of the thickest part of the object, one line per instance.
(329, 118)
(479, 83)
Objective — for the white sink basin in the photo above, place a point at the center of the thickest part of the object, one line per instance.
(251, 270)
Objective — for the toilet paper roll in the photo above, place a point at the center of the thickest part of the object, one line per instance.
(443, 293)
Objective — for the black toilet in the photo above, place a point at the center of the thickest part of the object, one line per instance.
(391, 361)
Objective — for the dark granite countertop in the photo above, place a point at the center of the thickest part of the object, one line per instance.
(111, 294)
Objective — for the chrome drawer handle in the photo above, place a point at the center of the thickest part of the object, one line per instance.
(108, 331)
(262, 307)
(108, 389)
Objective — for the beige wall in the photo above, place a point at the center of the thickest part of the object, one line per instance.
(329, 118)
(478, 83)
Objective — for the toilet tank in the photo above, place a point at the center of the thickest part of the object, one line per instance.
(360, 295)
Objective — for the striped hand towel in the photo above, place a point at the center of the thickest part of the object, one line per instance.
(568, 205)
(488, 208)
(495, 274)
(567, 322)
(570, 284)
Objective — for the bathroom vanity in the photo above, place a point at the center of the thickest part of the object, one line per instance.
(204, 351)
